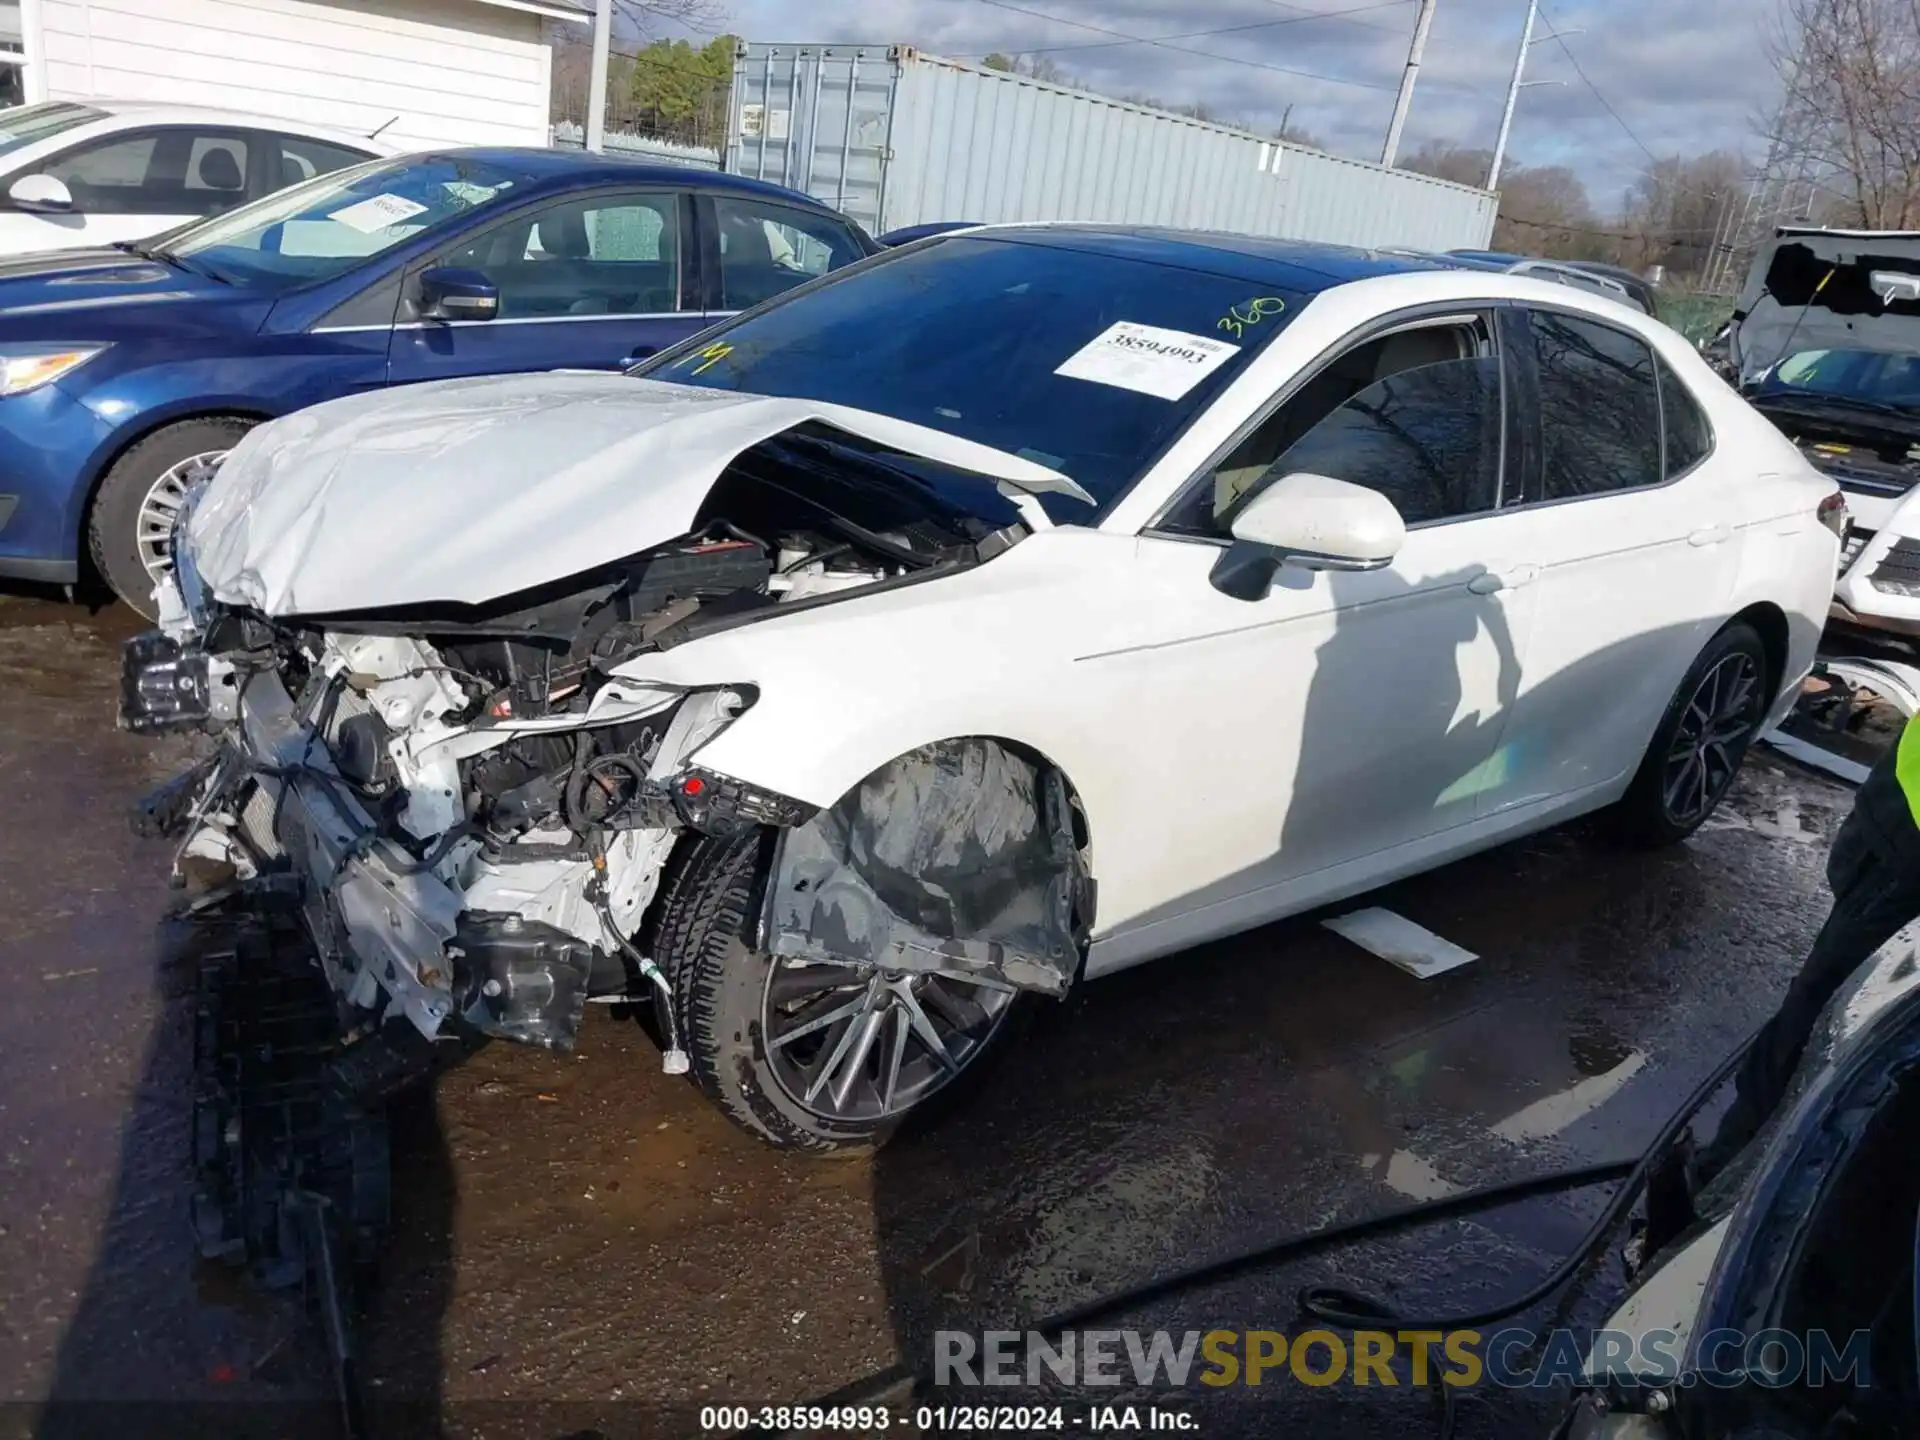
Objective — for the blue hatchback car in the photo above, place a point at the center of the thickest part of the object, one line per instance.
(125, 372)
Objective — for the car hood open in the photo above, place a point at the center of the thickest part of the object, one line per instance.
(467, 490)
(1814, 290)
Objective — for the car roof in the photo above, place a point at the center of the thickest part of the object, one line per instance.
(158, 112)
(542, 166)
(1297, 265)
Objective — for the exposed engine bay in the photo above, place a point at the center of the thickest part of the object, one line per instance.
(475, 809)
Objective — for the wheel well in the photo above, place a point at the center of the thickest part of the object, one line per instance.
(1770, 623)
(254, 417)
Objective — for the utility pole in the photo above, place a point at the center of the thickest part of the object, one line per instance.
(1405, 101)
(597, 78)
(1513, 96)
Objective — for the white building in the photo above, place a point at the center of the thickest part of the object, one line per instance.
(432, 72)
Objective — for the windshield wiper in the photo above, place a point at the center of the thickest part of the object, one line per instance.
(157, 256)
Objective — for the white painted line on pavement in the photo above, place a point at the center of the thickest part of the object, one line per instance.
(1812, 756)
(1551, 1115)
(1416, 1179)
(1397, 940)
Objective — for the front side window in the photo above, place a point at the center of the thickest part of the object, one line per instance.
(607, 255)
(154, 172)
(333, 223)
(1416, 415)
(1599, 408)
(1071, 355)
(768, 249)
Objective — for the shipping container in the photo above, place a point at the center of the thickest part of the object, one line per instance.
(894, 137)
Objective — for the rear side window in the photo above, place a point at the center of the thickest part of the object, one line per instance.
(302, 159)
(1599, 408)
(1689, 436)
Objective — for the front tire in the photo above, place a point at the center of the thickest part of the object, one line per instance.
(1702, 740)
(809, 1057)
(130, 531)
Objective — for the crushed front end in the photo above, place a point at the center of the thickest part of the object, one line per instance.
(473, 828)
(475, 805)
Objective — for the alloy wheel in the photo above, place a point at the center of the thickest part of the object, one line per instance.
(153, 526)
(1715, 729)
(865, 1045)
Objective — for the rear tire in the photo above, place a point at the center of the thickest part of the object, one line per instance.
(138, 494)
(703, 941)
(1701, 741)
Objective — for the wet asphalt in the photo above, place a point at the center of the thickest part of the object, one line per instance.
(587, 1231)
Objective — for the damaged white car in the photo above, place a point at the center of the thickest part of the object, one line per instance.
(1007, 609)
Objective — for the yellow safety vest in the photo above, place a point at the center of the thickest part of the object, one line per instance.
(1906, 767)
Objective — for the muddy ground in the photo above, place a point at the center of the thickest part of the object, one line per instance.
(588, 1230)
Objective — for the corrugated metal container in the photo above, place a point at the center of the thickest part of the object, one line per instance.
(894, 137)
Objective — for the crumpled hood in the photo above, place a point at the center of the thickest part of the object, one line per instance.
(467, 490)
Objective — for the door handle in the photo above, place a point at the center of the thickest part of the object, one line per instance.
(1712, 535)
(1492, 582)
(643, 352)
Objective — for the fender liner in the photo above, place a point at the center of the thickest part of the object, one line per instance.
(955, 859)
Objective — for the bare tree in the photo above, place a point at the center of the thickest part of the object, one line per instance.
(1677, 208)
(1851, 69)
(1544, 209)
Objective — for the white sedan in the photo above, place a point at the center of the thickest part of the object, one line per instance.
(106, 172)
(1005, 610)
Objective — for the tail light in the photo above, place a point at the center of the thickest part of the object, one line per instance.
(1834, 515)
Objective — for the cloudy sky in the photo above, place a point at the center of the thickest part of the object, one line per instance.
(1684, 77)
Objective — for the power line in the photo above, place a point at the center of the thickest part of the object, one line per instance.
(1655, 233)
(1299, 19)
(1342, 14)
(1183, 50)
(1606, 104)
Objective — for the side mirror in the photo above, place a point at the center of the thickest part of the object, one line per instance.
(452, 293)
(40, 194)
(1314, 522)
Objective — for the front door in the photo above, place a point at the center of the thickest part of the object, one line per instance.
(1344, 714)
(596, 282)
(135, 183)
(1626, 531)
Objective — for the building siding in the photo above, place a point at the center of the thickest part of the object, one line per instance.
(454, 72)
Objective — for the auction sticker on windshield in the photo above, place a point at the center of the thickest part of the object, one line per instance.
(378, 213)
(1147, 359)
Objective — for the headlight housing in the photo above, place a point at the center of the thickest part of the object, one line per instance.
(28, 367)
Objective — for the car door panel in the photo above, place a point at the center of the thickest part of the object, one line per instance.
(594, 281)
(1345, 714)
(1631, 584)
(1341, 716)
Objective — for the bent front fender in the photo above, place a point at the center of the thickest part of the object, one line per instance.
(956, 859)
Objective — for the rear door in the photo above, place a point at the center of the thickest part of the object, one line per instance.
(599, 281)
(1628, 542)
(757, 248)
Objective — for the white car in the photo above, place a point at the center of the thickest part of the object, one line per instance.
(103, 172)
(993, 615)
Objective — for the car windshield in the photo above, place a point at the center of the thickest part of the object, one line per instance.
(1081, 360)
(332, 223)
(1872, 377)
(22, 125)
